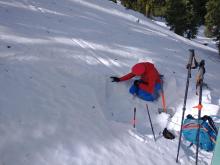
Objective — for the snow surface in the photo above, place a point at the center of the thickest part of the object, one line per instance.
(57, 103)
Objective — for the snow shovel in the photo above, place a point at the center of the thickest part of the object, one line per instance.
(164, 108)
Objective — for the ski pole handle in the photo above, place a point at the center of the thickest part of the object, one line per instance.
(200, 74)
(201, 71)
(189, 65)
(191, 56)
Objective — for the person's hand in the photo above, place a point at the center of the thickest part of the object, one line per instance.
(115, 79)
(136, 83)
(188, 66)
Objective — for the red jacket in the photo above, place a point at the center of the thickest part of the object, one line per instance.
(150, 76)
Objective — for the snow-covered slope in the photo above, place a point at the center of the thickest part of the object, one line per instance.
(57, 104)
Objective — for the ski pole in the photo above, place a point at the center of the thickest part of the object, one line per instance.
(189, 66)
(134, 119)
(199, 106)
(150, 122)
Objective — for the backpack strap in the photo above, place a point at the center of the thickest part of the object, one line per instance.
(210, 122)
(212, 126)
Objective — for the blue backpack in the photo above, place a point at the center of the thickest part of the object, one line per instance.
(208, 131)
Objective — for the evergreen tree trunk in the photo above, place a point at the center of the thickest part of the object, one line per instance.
(148, 10)
(181, 18)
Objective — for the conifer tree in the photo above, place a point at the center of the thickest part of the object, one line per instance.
(145, 7)
(192, 20)
(181, 18)
(141, 6)
(129, 4)
(213, 20)
(115, 1)
(200, 11)
(175, 16)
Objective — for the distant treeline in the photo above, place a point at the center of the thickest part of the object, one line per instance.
(182, 16)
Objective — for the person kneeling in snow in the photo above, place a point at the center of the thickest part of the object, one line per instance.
(149, 84)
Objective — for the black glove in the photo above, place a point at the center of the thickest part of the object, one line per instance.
(136, 83)
(168, 135)
(115, 79)
(202, 63)
(188, 66)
